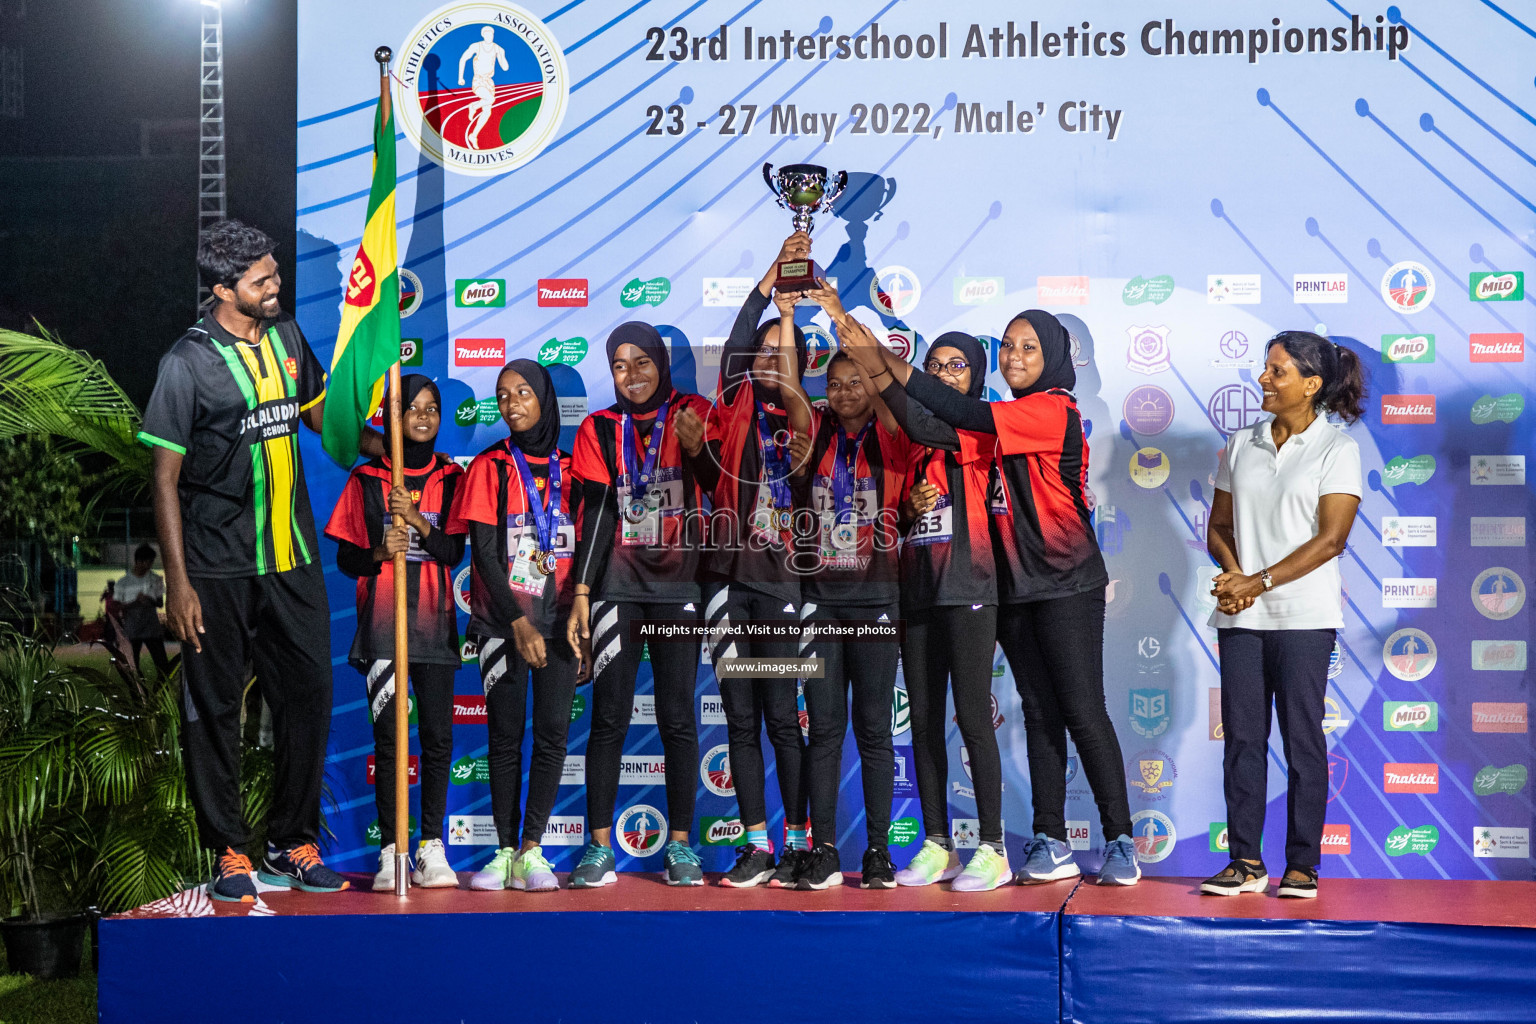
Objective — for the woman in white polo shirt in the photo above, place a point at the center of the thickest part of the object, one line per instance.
(1286, 493)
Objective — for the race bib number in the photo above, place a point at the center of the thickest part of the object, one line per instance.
(997, 492)
(524, 575)
(763, 515)
(663, 499)
(936, 526)
(415, 553)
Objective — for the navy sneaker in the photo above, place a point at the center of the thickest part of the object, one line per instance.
(232, 880)
(1121, 865)
(300, 867)
(1047, 860)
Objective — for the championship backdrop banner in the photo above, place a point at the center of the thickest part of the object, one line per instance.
(1176, 181)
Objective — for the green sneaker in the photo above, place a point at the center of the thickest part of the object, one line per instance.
(532, 873)
(595, 869)
(683, 867)
(932, 864)
(987, 870)
(495, 875)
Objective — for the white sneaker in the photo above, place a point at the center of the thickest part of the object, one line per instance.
(384, 878)
(432, 870)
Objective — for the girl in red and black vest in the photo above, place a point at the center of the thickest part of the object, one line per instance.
(520, 507)
(368, 529)
(1051, 588)
(643, 472)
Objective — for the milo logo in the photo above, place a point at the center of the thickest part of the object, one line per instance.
(1407, 348)
(1411, 716)
(1403, 840)
(1498, 286)
(569, 352)
(410, 351)
(489, 292)
(722, 832)
(467, 414)
(1416, 470)
(1489, 780)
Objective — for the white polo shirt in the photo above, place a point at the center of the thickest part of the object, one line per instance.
(1275, 497)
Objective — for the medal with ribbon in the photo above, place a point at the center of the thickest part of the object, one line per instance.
(775, 471)
(640, 472)
(845, 520)
(545, 513)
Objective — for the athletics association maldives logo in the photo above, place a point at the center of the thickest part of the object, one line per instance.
(640, 830)
(895, 291)
(1408, 287)
(715, 770)
(1154, 836)
(1498, 593)
(481, 87)
(1409, 654)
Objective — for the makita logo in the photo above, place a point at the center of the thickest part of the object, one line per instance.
(1498, 348)
(1498, 717)
(468, 709)
(563, 291)
(1410, 778)
(1410, 715)
(1336, 839)
(1407, 408)
(479, 352)
(1063, 291)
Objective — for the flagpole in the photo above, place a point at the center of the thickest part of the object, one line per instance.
(401, 780)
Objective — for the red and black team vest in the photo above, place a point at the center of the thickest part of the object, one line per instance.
(854, 560)
(1044, 537)
(361, 518)
(947, 559)
(493, 494)
(656, 559)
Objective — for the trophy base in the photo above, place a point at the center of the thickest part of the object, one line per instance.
(797, 275)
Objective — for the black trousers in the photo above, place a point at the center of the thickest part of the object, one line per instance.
(752, 704)
(1056, 651)
(280, 624)
(507, 678)
(869, 669)
(1263, 670)
(432, 686)
(943, 647)
(675, 668)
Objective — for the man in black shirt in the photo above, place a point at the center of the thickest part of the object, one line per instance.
(243, 578)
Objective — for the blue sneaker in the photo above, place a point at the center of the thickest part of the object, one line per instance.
(232, 878)
(300, 867)
(1120, 863)
(1047, 860)
(683, 866)
(596, 868)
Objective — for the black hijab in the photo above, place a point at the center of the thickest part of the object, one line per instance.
(1055, 347)
(975, 354)
(736, 362)
(648, 340)
(541, 440)
(418, 454)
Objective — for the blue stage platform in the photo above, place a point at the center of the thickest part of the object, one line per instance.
(642, 952)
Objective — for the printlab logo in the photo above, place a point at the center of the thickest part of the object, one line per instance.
(1403, 840)
(1409, 591)
(1078, 834)
(1155, 290)
(481, 87)
(1233, 289)
(1408, 287)
(1234, 349)
(562, 291)
(1409, 654)
(641, 769)
(640, 830)
(1408, 532)
(1062, 291)
(564, 830)
(1149, 712)
(1410, 716)
(1407, 408)
(895, 291)
(711, 710)
(715, 770)
(1319, 288)
(645, 293)
(1497, 286)
(1149, 352)
(1501, 409)
(1407, 348)
(1154, 836)
(1498, 655)
(1417, 470)
(1148, 409)
(1509, 780)
(480, 292)
(1496, 348)
(1498, 593)
(1151, 773)
(1234, 407)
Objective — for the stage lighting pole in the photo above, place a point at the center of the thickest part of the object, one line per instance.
(211, 190)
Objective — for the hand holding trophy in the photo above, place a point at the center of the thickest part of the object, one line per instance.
(802, 188)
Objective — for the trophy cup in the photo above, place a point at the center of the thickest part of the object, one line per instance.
(803, 189)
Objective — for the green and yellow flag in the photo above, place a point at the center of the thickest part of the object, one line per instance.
(369, 339)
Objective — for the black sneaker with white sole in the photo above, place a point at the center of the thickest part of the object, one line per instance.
(878, 872)
(1238, 876)
(820, 869)
(753, 867)
(1304, 888)
(791, 863)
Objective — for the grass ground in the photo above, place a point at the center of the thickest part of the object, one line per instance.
(25, 1000)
